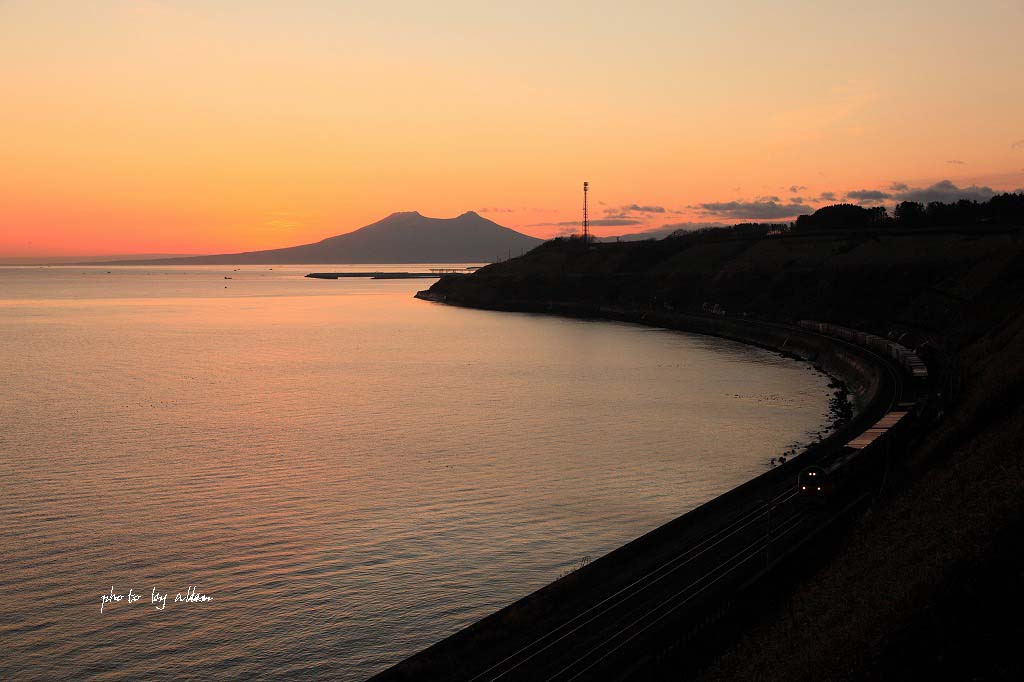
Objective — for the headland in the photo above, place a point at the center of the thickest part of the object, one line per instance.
(952, 493)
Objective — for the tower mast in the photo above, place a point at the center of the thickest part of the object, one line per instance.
(586, 218)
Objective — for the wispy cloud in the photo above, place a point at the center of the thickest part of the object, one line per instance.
(1019, 144)
(630, 210)
(868, 195)
(760, 209)
(600, 222)
(946, 191)
(956, 162)
(793, 189)
(616, 221)
(642, 209)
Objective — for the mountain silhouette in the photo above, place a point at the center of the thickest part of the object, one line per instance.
(400, 238)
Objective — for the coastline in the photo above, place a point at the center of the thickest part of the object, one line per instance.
(844, 400)
(472, 648)
(778, 337)
(953, 485)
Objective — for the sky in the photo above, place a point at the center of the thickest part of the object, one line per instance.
(159, 126)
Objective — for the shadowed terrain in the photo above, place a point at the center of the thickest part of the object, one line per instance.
(929, 580)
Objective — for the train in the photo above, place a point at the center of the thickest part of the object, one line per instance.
(821, 482)
(813, 482)
(903, 356)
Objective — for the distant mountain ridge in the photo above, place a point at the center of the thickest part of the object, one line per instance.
(406, 237)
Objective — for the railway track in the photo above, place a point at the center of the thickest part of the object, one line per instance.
(606, 638)
(660, 575)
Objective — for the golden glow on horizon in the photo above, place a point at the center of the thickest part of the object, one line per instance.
(198, 127)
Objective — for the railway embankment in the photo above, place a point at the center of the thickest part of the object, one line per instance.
(921, 585)
(869, 380)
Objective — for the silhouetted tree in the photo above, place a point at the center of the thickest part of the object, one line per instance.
(843, 217)
(1007, 209)
(910, 214)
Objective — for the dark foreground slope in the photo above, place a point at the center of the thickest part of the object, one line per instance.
(400, 238)
(929, 583)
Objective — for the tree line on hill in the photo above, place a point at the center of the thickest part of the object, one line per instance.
(1001, 210)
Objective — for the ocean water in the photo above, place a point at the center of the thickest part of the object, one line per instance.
(349, 473)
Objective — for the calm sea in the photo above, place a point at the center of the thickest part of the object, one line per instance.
(351, 474)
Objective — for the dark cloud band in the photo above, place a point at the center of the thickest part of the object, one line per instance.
(754, 210)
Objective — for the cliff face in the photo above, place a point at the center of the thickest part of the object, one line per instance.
(922, 586)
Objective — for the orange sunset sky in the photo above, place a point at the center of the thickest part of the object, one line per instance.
(214, 126)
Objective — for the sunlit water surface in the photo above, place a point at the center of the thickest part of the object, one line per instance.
(350, 473)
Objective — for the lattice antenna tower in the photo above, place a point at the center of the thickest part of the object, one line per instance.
(586, 218)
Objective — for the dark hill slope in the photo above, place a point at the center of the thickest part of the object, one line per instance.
(869, 280)
(399, 238)
(930, 583)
